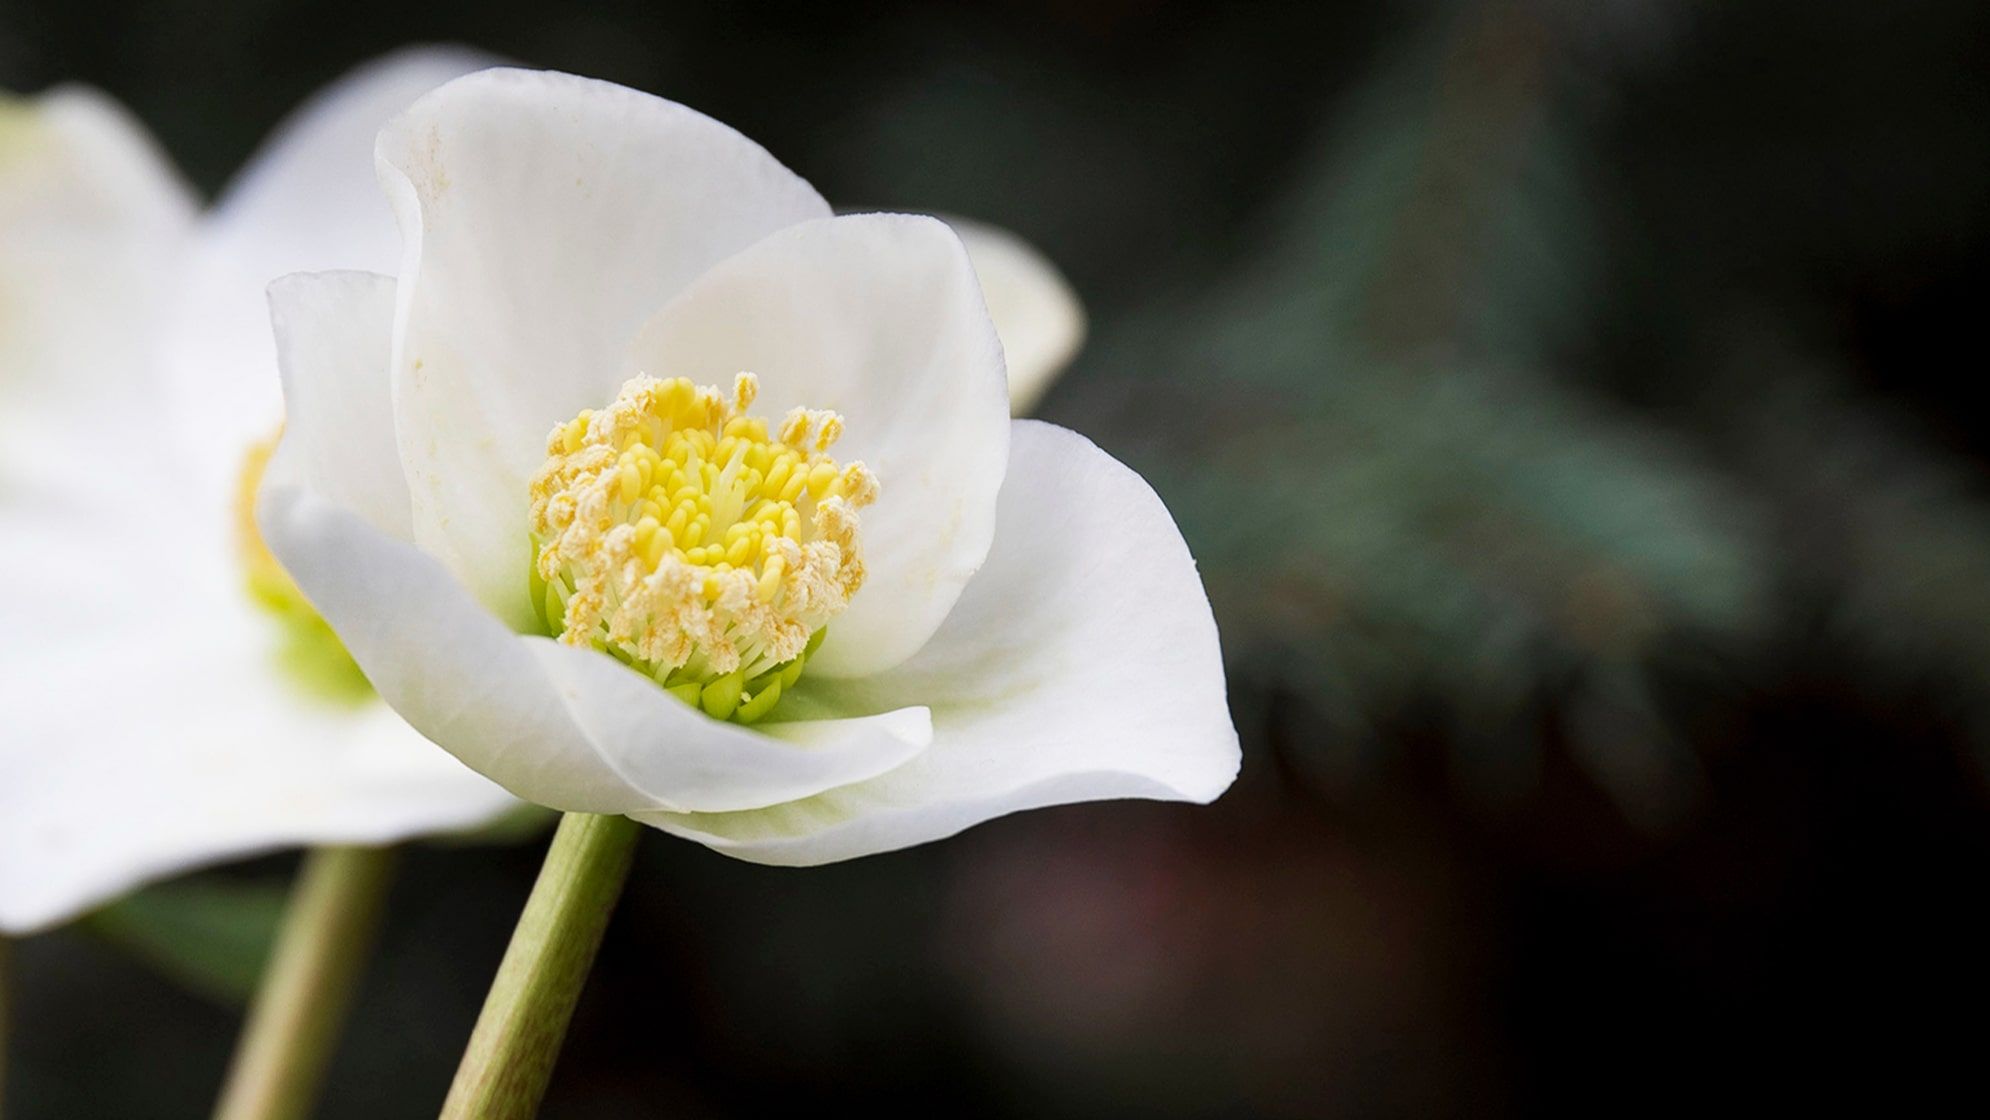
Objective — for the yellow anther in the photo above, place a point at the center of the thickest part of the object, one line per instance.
(770, 577)
(832, 430)
(794, 428)
(777, 475)
(673, 531)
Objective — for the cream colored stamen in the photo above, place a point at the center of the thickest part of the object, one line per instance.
(672, 530)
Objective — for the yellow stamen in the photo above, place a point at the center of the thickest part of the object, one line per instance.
(674, 531)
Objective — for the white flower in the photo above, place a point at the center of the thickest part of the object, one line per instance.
(153, 720)
(583, 410)
(156, 717)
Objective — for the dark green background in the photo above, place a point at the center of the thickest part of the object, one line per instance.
(1569, 404)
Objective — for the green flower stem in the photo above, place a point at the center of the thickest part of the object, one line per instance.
(293, 1025)
(511, 1053)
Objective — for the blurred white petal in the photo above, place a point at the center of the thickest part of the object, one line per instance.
(92, 220)
(92, 223)
(184, 745)
(1041, 322)
(152, 724)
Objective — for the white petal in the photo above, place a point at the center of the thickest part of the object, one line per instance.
(680, 757)
(1081, 664)
(329, 327)
(878, 317)
(130, 760)
(1041, 322)
(92, 222)
(308, 201)
(545, 216)
(148, 726)
(565, 727)
(77, 160)
(430, 649)
(446, 664)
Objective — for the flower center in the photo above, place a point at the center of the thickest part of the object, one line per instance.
(674, 532)
(310, 651)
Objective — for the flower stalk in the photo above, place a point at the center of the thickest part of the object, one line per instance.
(293, 1025)
(517, 1039)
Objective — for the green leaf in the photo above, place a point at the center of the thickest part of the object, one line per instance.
(210, 934)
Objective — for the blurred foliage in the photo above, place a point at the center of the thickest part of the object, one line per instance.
(1395, 485)
(1888, 535)
(210, 933)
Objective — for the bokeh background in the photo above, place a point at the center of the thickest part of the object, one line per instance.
(1569, 404)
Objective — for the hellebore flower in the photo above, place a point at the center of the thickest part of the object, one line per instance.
(652, 488)
(169, 699)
